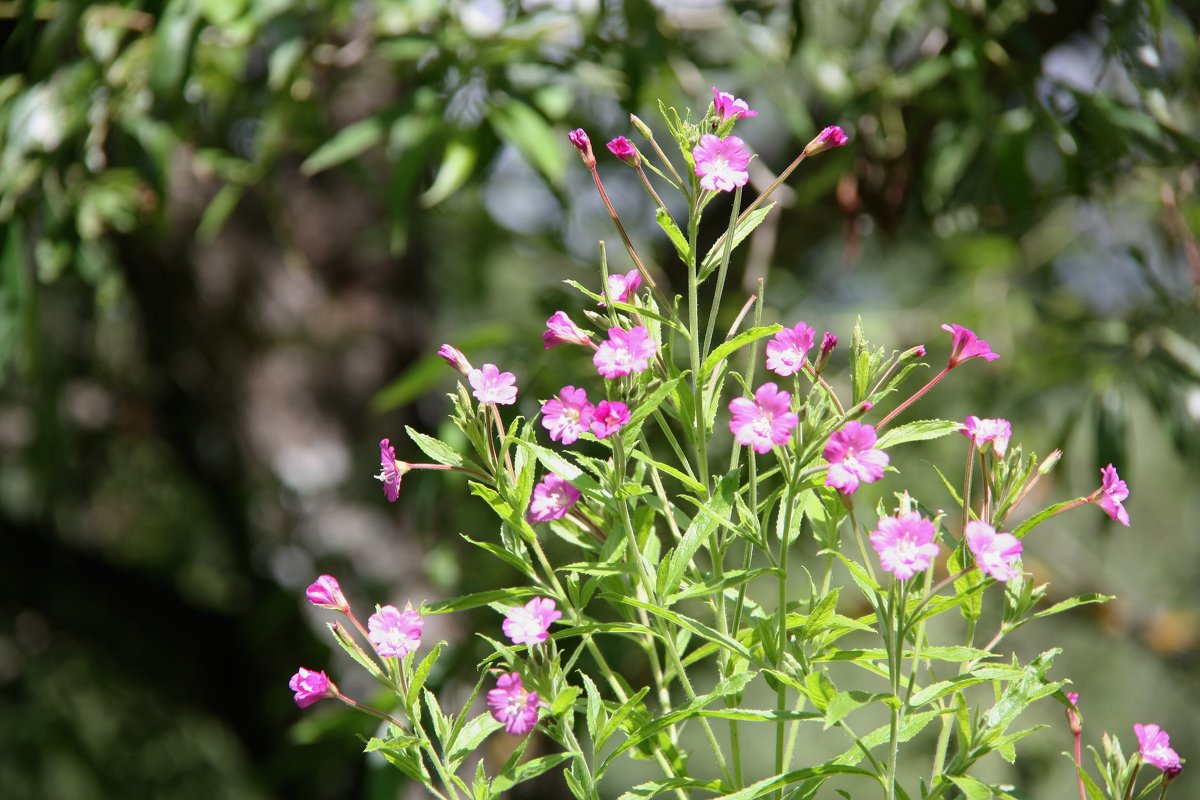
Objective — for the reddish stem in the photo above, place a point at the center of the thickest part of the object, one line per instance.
(920, 393)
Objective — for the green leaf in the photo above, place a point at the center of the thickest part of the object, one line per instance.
(645, 791)
(1040, 517)
(663, 217)
(527, 770)
(1072, 602)
(770, 785)
(918, 431)
(646, 407)
(524, 128)
(843, 703)
(595, 710)
(741, 340)
(458, 162)
(715, 253)
(564, 701)
(695, 626)
(971, 788)
(634, 703)
(436, 449)
(218, 211)
(702, 527)
(552, 460)
(521, 565)
(691, 484)
(350, 142)
(479, 599)
(470, 737)
(417, 682)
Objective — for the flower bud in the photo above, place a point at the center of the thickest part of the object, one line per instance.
(911, 353)
(828, 342)
(860, 410)
(831, 137)
(623, 149)
(455, 358)
(583, 144)
(1048, 464)
(325, 592)
(641, 127)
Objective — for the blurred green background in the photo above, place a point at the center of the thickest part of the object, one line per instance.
(234, 232)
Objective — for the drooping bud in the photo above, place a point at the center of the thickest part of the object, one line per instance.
(455, 358)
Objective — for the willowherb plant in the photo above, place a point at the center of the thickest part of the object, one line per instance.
(678, 544)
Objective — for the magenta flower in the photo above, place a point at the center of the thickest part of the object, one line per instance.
(967, 345)
(904, 544)
(624, 352)
(311, 686)
(455, 358)
(393, 632)
(726, 106)
(325, 592)
(787, 351)
(583, 144)
(561, 329)
(1073, 720)
(1110, 495)
(568, 415)
(552, 499)
(828, 342)
(610, 417)
(623, 149)
(1154, 745)
(393, 470)
(622, 287)
(511, 704)
(995, 554)
(983, 431)
(530, 623)
(831, 137)
(765, 421)
(721, 163)
(493, 386)
(852, 457)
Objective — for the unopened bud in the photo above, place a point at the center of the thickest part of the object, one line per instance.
(623, 149)
(583, 144)
(1048, 464)
(860, 410)
(828, 342)
(831, 137)
(455, 358)
(1073, 719)
(1171, 773)
(912, 352)
(641, 127)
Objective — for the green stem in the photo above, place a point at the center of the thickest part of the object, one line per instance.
(722, 270)
(700, 440)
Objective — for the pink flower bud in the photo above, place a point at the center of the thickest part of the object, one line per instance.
(325, 592)
(455, 358)
(583, 144)
(623, 149)
(831, 137)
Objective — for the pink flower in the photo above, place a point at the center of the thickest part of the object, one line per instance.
(995, 553)
(393, 632)
(610, 417)
(625, 352)
(622, 287)
(568, 415)
(325, 592)
(852, 457)
(787, 351)
(530, 623)
(493, 386)
(967, 345)
(831, 137)
(982, 431)
(904, 544)
(561, 329)
(721, 163)
(552, 499)
(764, 421)
(1073, 720)
(1154, 745)
(392, 471)
(512, 705)
(455, 358)
(623, 149)
(311, 686)
(583, 144)
(1111, 493)
(726, 106)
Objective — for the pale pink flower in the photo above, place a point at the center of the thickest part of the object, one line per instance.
(392, 472)
(311, 686)
(995, 554)
(830, 137)
(530, 623)
(904, 544)
(983, 431)
(567, 415)
(611, 416)
(967, 345)
(1110, 495)
(325, 592)
(455, 358)
(561, 329)
(393, 632)
(552, 499)
(622, 287)
(721, 164)
(765, 421)
(624, 352)
(511, 704)
(726, 106)
(852, 457)
(1154, 745)
(493, 386)
(623, 149)
(788, 350)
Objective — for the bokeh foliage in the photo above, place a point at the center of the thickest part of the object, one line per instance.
(226, 226)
